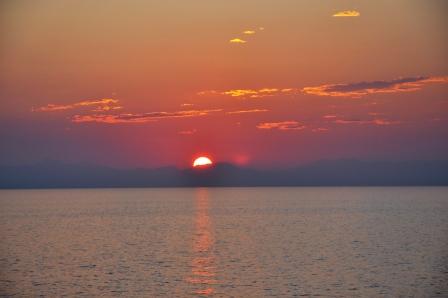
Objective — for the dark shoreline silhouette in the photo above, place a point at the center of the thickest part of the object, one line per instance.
(53, 174)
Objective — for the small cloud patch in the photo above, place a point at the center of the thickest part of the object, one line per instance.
(248, 33)
(347, 13)
(237, 40)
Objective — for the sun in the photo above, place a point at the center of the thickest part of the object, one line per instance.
(202, 161)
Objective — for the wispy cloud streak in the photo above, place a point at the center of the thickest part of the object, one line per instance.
(105, 104)
(380, 122)
(353, 90)
(283, 125)
(360, 89)
(252, 93)
(247, 111)
(320, 129)
(140, 117)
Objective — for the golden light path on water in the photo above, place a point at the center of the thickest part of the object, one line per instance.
(203, 273)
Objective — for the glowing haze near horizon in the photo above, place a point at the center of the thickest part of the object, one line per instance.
(257, 83)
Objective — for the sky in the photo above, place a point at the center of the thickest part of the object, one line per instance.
(260, 83)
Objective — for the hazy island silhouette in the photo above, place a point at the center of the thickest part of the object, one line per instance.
(55, 174)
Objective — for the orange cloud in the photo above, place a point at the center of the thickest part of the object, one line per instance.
(248, 111)
(111, 119)
(347, 13)
(237, 40)
(140, 117)
(104, 101)
(106, 108)
(354, 90)
(252, 93)
(357, 90)
(105, 104)
(245, 32)
(284, 125)
(240, 92)
(180, 114)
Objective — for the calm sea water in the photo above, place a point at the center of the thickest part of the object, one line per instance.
(225, 242)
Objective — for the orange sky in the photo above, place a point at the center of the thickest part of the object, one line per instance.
(259, 83)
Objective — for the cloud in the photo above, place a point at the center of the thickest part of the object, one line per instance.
(187, 132)
(252, 93)
(264, 92)
(248, 33)
(354, 90)
(284, 125)
(247, 111)
(347, 13)
(320, 129)
(139, 117)
(103, 108)
(373, 121)
(380, 122)
(360, 89)
(237, 40)
(97, 102)
(240, 92)
(187, 105)
(111, 119)
(52, 108)
(384, 122)
(104, 104)
(179, 114)
(106, 108)
(208, 92)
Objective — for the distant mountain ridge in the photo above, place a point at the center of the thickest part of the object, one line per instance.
(53, 174)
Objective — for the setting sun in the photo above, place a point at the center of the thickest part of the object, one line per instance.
(202, 161)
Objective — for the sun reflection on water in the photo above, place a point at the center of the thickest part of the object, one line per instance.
(203, 263)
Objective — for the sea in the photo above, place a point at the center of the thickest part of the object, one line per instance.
(225, 242)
